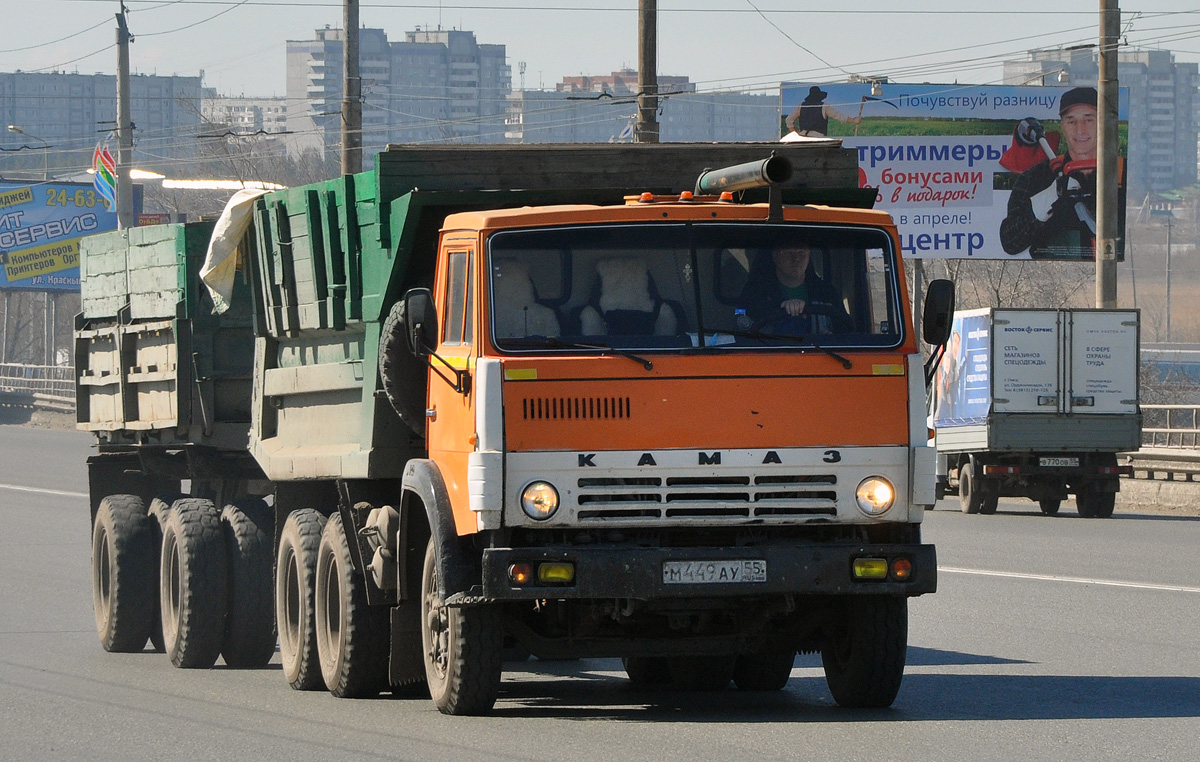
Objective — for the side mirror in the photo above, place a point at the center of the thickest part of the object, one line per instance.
(422, 321)
(938, 317)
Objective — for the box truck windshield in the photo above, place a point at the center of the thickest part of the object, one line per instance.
(666, 286)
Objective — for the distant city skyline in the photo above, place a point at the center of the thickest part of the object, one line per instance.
(719, 44)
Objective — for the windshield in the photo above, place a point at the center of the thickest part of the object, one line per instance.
(679, 285)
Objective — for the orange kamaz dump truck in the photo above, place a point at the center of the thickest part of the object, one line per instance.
(606, 401)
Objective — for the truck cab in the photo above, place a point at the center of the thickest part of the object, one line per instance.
(648, 457)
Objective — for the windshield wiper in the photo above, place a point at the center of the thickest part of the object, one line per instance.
(551, 341)
(758, 334)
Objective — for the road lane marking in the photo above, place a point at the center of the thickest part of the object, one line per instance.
(43, 491)
(1075, 580)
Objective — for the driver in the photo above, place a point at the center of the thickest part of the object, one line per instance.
(793, 299)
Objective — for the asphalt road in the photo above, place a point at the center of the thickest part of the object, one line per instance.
(1049, 639)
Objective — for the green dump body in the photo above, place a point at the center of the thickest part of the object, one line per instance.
(154, 365)
(327, 261)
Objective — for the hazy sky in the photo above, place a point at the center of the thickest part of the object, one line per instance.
(719, 44)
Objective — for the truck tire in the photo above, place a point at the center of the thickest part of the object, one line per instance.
(864, 658)
(192, 584)
(968, 490)
(403, 374)
(352, 637)
(123, 573)
(295, 589)
(701, 673)
(250, 625)
(647, 670)
(160, 508)
(766, 670)
(462, 648)
(1093, 503)
(1050, 506)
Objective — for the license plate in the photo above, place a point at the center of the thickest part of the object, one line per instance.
(1059, 462)
(714, 572)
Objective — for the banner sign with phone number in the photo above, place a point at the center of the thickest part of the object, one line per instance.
(40, 228)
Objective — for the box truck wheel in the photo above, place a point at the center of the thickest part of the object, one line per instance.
(864, 656)
(295, 588)
(249, 527)
(192, 584)
(123, 573)
(701, 673)
(352, 637)
(1094, 503)
(766, 670)
(647, 670)
(971, 494)
(462, 648)
(1049, 506)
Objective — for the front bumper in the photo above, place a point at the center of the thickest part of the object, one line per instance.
(627, 572)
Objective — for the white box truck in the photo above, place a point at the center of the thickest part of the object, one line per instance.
(1037, 403)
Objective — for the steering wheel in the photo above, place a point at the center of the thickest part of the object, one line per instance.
(779, 314)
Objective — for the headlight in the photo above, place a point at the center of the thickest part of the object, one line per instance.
(539, 500)
(875, 495)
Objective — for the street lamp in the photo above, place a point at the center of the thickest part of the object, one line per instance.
(14, 129)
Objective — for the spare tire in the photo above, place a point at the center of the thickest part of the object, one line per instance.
(404, 375)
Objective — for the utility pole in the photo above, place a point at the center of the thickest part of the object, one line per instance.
(646, 130)
(1106, 166)
(351, 92)
(124, 126)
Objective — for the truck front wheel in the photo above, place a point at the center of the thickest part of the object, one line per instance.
(767, 670)
(864, 656)
(462, 648)
(352, 637)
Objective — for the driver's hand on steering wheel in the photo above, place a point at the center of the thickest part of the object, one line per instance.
(793, 307)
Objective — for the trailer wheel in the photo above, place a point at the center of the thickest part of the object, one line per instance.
(295, 588)
(160, 508)
(968, 491)
(1050, 506)
(701, 673)
(864, 658)
(403, 374)
(250, 627)
(352, 637)
(123, 574)
(647, 670)
(462, 648)
(192, 584)
(767, 670)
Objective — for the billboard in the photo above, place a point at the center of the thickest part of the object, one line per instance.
(979, 172)
(40, 228)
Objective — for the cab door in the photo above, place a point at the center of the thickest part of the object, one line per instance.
(451, 426)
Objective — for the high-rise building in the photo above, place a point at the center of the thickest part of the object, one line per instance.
(1162, 108)
(601, 109)
(244, 115)
(64, 114)
(437, 85)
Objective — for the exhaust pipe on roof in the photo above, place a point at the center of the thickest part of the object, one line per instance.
(775, 170)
